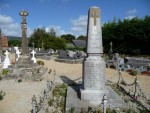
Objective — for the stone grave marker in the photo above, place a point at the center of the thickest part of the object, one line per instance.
(6, 60)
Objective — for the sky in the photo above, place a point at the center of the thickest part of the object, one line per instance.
(65, 16)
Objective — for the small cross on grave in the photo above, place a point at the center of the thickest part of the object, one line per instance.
(18, 54)
(33, 57)
(6, 60)
(33, 44)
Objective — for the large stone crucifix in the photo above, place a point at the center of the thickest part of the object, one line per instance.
(25, 49)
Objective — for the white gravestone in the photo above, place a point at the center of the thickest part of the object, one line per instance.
(6, 60)
(94, 65)
(33, 56)
(18, 54)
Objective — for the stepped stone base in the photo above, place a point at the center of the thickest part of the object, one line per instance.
(26, 70)
(73, 99)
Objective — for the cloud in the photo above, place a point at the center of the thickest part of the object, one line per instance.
(59, 31)
(130, 17)
(10, 28)
(79, 25)
(131, 12)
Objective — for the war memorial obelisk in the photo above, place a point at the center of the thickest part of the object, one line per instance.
(94, 65)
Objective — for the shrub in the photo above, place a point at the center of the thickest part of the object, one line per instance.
(40, 62)
(50, 102)
(72, 110)
(133, 72)
(2, 94)
(20, 80)
(4, 72)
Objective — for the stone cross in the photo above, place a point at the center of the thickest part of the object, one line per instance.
(25, 49)
(18, 54)
(33, 44)
(42, 44)
(34, 104)
(94, 65)
(6, 60)
(33, 56)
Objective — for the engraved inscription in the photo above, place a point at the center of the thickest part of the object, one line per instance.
(93, 75)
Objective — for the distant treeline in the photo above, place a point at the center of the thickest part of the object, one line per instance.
(129, 36)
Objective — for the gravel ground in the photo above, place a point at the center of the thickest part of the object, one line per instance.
(18, 95)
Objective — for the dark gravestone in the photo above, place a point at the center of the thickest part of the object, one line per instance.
(136, 62)
(62, 54)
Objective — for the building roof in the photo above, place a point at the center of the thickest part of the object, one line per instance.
(4, 40)
(80, 43)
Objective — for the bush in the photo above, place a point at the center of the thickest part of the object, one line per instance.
(2, 94)
(4, 72)
(50, 102)
(133, 72)
(40, 62)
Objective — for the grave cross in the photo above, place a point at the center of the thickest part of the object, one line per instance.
(33, 44)
(42, 44)
(33, 57)
(18, 54)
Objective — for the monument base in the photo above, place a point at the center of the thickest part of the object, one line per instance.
(93, 97)
(88, 99)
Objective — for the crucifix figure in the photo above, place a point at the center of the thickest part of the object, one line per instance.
(94, 14)
(25, 50)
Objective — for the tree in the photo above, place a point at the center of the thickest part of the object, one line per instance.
(81, 37)
(52, 32)
(41, 37)
(68, 37)
(14, 43)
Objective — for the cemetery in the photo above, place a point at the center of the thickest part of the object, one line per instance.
(34, 80)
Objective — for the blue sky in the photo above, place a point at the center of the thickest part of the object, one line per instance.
(65, 16)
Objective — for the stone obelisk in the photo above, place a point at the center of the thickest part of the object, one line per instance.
(94, 65)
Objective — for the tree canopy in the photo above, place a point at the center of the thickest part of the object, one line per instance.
(44, 39)
(131, 36)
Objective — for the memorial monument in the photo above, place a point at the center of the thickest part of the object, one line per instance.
(25, 69)
(25, 59)
(94, 65)
(93, 92)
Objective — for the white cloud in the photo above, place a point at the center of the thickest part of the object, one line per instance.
(59, 31)
(79, 25)
(10, 28)
(130, 17)
(132, 12)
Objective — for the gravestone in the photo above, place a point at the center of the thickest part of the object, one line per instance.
(6, 60)
(62, 54)
(33, 56)
(18, 54)
(110, 54)
(94, 65)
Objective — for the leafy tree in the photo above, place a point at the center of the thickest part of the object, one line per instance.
(14, 43)
(52, 32)
(81, 37)
(41, 38)
(68, 37)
